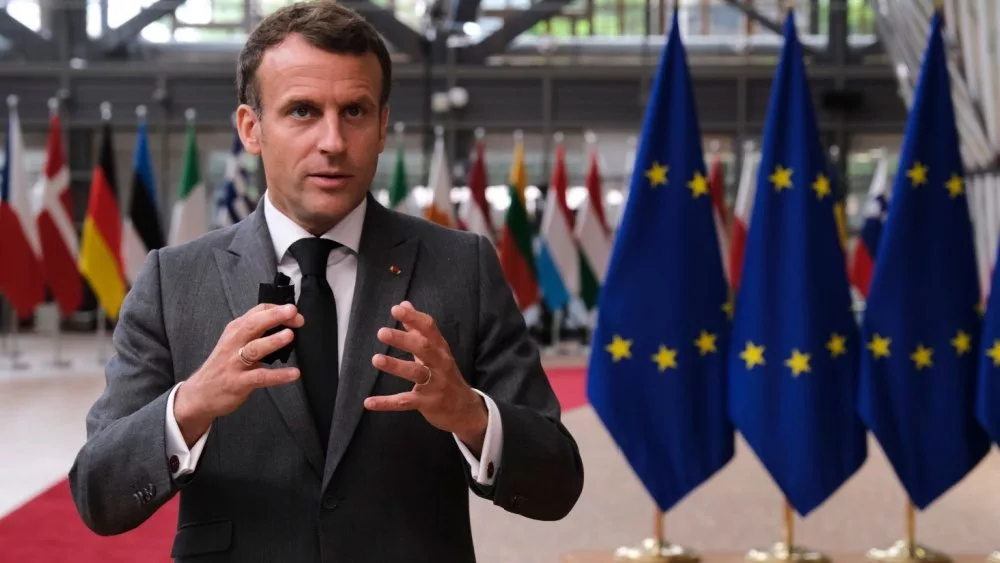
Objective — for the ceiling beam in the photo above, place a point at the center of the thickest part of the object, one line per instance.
(513, 26)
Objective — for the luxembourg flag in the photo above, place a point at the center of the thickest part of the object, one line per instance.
(22, 279)
(876, 209)
(558, 257)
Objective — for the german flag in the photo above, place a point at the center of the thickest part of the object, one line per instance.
(100, 248)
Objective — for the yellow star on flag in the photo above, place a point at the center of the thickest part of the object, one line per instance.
(698, 185)
(705, 342)
(980, 309)
(665, 358)
(619, 348)
(994, 352)
(657, 174)
(727, 308)
(782, 178)
(879, 346)
(955, 185)
(753, 355)
(837, 345)
(799, 363)
(962, 342)
(917, 174)
(922, 357)
(821, 186)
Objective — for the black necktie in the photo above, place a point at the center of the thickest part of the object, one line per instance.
(316, 341)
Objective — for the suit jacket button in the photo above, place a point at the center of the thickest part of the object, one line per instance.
(489, 470)
(174, 464)
(330, 503)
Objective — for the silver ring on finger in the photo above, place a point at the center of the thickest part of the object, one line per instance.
(430, 374)
(243, 358)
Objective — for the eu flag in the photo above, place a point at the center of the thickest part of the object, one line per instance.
(921, 326)
(792, 365)
(988, 394)
(657, 368)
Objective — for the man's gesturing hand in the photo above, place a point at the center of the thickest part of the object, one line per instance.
(224, 381)
(441, 394)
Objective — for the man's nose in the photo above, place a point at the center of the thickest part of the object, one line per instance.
(331, 139)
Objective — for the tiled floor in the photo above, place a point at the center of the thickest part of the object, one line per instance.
(42, 424)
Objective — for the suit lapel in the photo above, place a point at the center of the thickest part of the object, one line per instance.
(248, 261)
(379, 286)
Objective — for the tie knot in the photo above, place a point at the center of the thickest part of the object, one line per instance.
(311, 254)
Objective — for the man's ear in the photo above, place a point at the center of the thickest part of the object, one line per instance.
(248, 127)
(383, 127)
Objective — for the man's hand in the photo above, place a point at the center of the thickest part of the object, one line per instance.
(224, 381)
(441, 394)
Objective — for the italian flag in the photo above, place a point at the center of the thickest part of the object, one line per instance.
(190, 215)
(516, 256)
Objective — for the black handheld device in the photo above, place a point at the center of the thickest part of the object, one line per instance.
(281, 292)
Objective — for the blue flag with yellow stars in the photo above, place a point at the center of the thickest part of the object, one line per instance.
(792, 364)
(921, 325)
(657, 369)
(988, 393)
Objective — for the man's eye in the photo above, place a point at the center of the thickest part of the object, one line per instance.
(355, 111)
(301, 111)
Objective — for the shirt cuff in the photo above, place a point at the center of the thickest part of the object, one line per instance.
(484, 470)
(186, 459)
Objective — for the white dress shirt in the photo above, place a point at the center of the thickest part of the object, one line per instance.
(341, 273)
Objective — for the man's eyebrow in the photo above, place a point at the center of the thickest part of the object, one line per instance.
(298, 101)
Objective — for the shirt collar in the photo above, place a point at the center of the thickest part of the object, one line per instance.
(284, 231)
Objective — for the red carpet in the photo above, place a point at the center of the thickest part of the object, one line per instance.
(48, 528)
(570, 385)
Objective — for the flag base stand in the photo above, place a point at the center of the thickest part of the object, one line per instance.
(781, 552)
(657, 549)
(994, 557)
(904, 551)
(653, 550)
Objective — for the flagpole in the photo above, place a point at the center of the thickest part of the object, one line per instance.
(102, 356)
(15, 352)
(907, 549)
(101, 336)
(656, 549)
(57, 359)
(557, 315)
(590, 319)
(786, 550)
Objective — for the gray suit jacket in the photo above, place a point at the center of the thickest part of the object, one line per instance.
(392, 487)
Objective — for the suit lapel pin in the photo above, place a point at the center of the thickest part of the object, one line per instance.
(395, 270)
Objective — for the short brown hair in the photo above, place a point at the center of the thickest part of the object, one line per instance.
(325, 25)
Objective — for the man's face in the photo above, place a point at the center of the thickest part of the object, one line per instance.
(321, 130)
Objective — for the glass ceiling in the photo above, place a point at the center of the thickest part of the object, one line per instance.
(230, 20)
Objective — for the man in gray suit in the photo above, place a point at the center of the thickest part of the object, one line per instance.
(413, 378)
